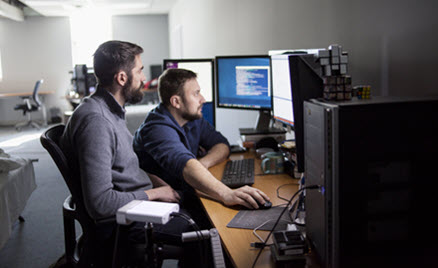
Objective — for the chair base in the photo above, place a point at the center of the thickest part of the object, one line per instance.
(33, 124)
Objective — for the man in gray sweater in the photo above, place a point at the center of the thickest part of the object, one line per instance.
(98, 144)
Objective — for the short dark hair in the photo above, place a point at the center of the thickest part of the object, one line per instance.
(171, 82)
(112, 57)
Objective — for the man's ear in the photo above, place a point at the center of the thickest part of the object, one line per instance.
(121, 78)
(175, 101)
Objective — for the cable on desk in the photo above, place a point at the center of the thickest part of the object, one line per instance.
(254, 231)
(278, 191)
(294, 205)
(279, 218)
(299, 202)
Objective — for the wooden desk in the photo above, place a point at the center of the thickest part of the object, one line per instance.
(237, 241)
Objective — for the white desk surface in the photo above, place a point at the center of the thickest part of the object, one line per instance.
(16, 186)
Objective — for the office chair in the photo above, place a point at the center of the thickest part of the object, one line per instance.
(84, 252)
(28, 107)
(78, 252)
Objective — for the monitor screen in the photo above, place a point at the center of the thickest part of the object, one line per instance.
(282, 106)
(243, 82)
(204, 68)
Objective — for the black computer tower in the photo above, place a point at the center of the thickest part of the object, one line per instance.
(376, 163)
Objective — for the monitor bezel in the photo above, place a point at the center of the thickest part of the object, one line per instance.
(218, 105)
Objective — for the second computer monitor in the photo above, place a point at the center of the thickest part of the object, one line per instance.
(244, 82)
(282, 90)
(295, 79)
(204, 68)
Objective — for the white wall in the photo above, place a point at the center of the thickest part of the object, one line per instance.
(150, 32)
(392, 43)
(33, 49)
(40, 47)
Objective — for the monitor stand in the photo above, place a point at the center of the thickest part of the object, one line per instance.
(262, 127)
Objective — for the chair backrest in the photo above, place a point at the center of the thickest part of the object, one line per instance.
(88, 249)
(35, 92)
(50, 141)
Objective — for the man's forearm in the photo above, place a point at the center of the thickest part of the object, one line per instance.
(201, 179)
(215, 155)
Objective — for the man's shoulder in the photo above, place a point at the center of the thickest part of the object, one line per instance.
(157, 114)
(89, 106)
(157, 127)
(158, 119)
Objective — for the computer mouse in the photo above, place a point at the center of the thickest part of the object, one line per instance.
(266, 205)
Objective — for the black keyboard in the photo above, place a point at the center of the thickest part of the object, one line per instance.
(238, 173)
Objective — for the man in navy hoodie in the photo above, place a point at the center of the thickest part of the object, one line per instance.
(169, 140)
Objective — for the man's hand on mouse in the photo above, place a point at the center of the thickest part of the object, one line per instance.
(246, 196)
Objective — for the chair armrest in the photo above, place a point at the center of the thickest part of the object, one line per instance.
(27, 101)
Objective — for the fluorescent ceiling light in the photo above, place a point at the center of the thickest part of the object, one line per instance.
(11, 12)
(131, 5)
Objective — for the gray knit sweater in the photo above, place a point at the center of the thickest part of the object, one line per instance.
(98, 143)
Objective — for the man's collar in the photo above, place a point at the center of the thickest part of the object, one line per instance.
(112, 103)
(186, 126)
(166, 111)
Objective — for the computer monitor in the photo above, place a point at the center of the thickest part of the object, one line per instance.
(295, 78)
(80, 79)
(282, 106)
(204, 68)
(84, 80)
(91, 82)
(156, 70)
(244, 82)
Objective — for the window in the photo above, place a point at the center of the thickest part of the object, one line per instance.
(89, 28)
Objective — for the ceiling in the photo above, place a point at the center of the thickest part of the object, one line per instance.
(69, 7)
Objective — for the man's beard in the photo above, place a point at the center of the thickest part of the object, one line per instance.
(190, 116)
(132, 96)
